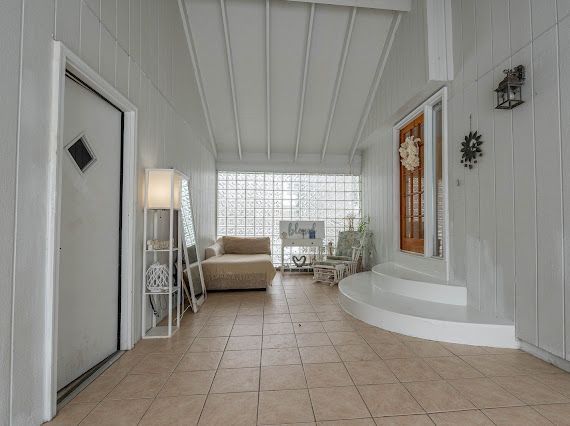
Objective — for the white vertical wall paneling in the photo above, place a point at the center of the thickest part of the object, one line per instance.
(487, 215)
(472, 205)
(525, 208)
(10, 36)
(564, 56)
(164, 133)
(549, 194)
(520, 24)
(504, 199)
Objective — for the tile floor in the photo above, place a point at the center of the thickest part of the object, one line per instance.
(292, 356)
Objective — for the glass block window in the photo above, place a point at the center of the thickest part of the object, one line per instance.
(252, 204)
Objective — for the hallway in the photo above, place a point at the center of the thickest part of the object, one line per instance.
(291, 355)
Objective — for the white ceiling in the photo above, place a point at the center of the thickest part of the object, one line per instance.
(293, 86)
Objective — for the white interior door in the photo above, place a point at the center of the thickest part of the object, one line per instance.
(89, 283)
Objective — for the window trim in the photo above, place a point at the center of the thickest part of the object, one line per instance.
(425, 262)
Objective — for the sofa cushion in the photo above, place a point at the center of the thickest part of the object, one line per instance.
(246, 245)
(216, 249)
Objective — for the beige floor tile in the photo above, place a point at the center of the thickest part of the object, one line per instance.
(215, 331)
(246, 330)
(249, 319)
(353, 422)
(391, 399)
(492, 365)
(276, 310)
(438, 396)
(209, 344)
(356, 353)
(304, 317)
(452, 367)
(530, 390)
(98, 389)
(318, 354)
(327, 375)
(221, 320)
(278, 341)
(313, 339)
(236, 380)
(485, 393)
(194, 361)
(526, 364)
(411, 369)
(557, 382)
(559, 414)
(124, 364)
(413, 420)
(241, 359)
(332, 316)
(463, 418)
(276, 318)
(188, 383)
(459, 349)
(118, 412)
(346, 338)
(230, 409)
(281, 356)
(370, 372)
(428, 349)
(285, 406)
(519, 416)
(244, 343)
(393, 350)
(340, 403)
(298, 309)
(308, 327)
(72, 414)
(334, 326)
(281, 377)
(137, 386)
(178, 410)
(376, 336)
(278, 328)
(157, 363)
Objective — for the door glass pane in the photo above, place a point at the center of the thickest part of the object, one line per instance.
(438, 177)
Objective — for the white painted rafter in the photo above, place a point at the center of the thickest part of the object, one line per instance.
(268, 78)
(231, 72)
(304, 84)
(376, 82)
(191, 47)
(338, 82)
(397, 5)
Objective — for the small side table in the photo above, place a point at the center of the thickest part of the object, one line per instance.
(331, 274)
(300, 242)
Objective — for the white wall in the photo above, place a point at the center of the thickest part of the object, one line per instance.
(509, 216)
(140, 47)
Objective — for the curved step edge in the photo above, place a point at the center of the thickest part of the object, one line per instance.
(432, 292)
(493, 335)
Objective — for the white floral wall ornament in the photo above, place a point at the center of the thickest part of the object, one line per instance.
(410, 153)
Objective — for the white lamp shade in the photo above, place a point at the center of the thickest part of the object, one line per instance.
(160, 187)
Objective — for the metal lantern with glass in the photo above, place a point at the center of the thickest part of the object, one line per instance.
(509, 91)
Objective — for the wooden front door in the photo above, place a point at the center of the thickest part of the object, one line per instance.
(412, 193)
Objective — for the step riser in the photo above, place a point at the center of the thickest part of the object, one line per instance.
(502, 336)
(438, 293)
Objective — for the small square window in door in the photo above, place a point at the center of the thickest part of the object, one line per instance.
(81, 154)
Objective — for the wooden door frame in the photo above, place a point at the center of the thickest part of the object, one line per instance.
(64, 59)
(423, 262)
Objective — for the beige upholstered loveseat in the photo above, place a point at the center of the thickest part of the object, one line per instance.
(236, 263)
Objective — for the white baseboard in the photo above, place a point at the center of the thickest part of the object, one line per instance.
(545, 356)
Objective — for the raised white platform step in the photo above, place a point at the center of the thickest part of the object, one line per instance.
(405, 282)
(367, 297)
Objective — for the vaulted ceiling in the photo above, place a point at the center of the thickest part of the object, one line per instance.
(288, 80)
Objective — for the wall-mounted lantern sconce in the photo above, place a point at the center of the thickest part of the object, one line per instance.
(509, 93)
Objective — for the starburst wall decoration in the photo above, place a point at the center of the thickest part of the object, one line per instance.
(471, 149)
